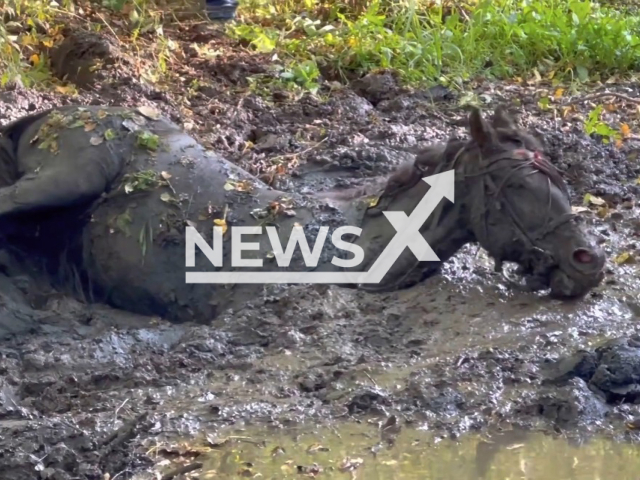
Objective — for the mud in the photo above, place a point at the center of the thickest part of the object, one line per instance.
(90, 390)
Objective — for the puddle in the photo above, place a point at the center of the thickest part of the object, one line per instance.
(359, 451)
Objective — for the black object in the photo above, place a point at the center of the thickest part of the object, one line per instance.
(221, 10)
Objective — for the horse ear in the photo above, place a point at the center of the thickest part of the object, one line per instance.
(480, 130)
(502, 119)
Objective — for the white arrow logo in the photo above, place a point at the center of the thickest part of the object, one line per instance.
(408, 236)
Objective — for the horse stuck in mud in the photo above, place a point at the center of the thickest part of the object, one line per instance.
(99, 198)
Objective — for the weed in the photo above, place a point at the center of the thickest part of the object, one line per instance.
(431, 42)
(594, 125)
(142, 181)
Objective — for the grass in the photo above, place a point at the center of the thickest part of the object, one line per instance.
(430, 42)
(424, 41)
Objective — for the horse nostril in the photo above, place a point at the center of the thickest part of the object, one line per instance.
(583, 256)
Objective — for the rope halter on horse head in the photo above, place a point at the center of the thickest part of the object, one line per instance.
(521, 160)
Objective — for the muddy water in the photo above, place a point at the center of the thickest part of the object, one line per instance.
(361, 451)
(453, 359)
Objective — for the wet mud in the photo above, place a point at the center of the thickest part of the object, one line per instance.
(89, 390)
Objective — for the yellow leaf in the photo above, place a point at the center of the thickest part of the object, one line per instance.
(603, 211)
(35, 59)
(47, 43)
(625, 257)
(243, 186)
(625, 130)
(220, 222)
(618, 143)
(558, 93)
(89, 126)
(373, 201)
(593, 200)
(230, 185)
(638, 181)
(96, 140)
(102, 114)
(65, 90)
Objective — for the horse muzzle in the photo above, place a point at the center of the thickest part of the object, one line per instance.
(578, 275)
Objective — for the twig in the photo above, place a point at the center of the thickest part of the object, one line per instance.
(115, 415)
(372, 380)
(109, 27)
(595, 96)
(182, 470)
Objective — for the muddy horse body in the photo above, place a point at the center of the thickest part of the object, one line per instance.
(117, 187)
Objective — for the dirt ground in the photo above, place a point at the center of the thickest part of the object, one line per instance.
(90, 390)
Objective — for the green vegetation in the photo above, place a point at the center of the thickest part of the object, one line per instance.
(430, 42)
(425, 41)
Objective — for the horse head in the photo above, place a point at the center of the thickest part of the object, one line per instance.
(508, 198)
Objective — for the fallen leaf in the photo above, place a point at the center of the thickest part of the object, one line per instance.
(149, 112)
(373, 201)
(34, 59)
(96, 140)
(220, 222)
(229, 186)
(166, 197)
(625, 257)
(110, 134)
(102, 114)
(64, 90)
(603, 211)
(558, 93)
(579, 209)
(625, 130)
(89, 126)
(165, 175)
(244, 186)
(593, 200)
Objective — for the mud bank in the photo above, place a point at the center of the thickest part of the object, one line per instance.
(89, 390)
